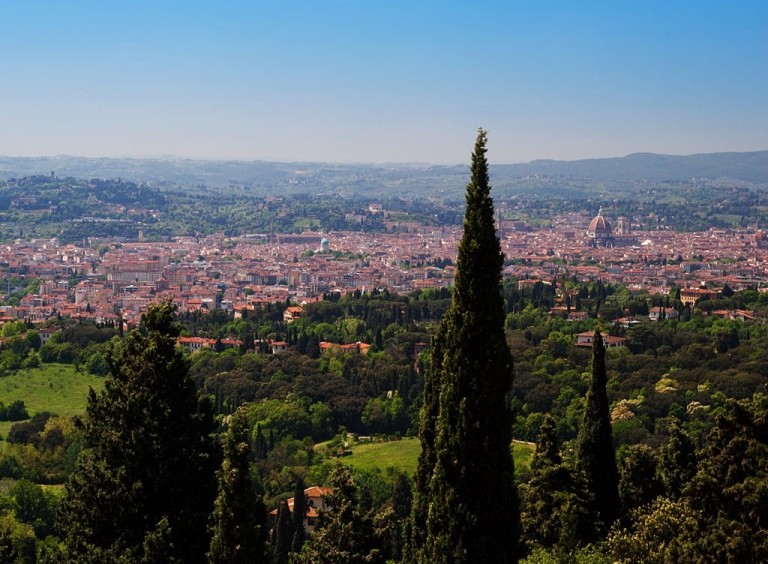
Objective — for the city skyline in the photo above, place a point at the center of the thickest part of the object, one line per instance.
(355, 81)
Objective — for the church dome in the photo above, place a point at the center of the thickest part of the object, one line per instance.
(599, 226)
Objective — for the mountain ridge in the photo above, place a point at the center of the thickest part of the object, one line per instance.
(268, 176)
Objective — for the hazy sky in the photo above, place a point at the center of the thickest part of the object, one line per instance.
(382, 80)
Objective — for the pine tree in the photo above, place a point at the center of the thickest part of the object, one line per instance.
(148, 478)
(465, 509)
(595, 455)
(239, 514)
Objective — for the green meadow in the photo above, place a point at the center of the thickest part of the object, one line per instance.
(57, 388)
(403, 455)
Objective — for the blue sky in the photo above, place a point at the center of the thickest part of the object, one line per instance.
(382, 80)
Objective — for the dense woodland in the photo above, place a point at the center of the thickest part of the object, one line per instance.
(656, 451)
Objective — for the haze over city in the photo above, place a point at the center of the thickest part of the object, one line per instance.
(355, 81)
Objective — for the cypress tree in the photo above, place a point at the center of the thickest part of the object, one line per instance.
(548, 447)
(239, 514)
(465, 508)
(554, 503)
(595, 456)
(282, 535)
(300, 509)
(148, 480)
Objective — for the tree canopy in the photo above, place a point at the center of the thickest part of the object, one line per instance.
(146, 486)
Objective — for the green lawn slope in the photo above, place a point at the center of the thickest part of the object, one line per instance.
(57, 388)
(403, 455)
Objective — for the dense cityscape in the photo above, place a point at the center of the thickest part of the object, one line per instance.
(110, 279)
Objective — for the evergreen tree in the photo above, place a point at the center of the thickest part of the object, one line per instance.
(731, 485)
(282, 534)
(148, 477)
(402, 500)
(416, 533)
(595, 456)
(548, 447)
(402, 497)
(239, 513)
(677, 463)
(300, 509)
(465, 508)
(554, 503)
(639, 482)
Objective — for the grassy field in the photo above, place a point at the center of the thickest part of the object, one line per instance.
(404, 454)
(57, 388)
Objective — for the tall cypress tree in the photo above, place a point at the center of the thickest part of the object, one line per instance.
(282, 535)
(148, 478)
(466, 505)
(300, 509)
(239, 514)
(595, 455)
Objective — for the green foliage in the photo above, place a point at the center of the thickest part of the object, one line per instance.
(300, 509)
(148, 481)
(282, 535)
(554, 502)
(15, 411)
(664, 531)
(639, 481)
(596, 458)
(344, 534)
(386, 416)
(677, 462)
(731, 486)
(34, 505)
(585, 555)
(239, 527)
(465, 471)
(43, 449)
(12, 328)
(285, 418)
(17, 541)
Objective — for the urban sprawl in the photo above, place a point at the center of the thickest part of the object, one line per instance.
(108, 281)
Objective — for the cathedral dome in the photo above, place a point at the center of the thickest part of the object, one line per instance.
(599, 227)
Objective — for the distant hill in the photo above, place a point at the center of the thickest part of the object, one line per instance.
(261, 177)
(747, 167)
